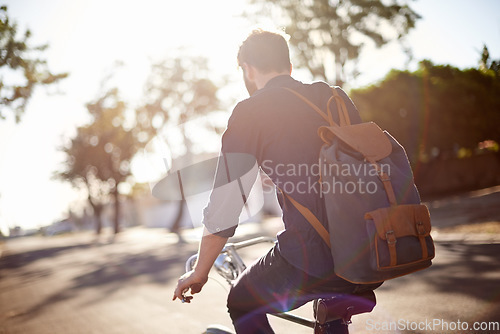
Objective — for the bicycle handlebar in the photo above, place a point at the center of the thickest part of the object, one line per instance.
(250, 242)
(230, 249)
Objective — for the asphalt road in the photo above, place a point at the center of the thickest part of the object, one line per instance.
(75, 284)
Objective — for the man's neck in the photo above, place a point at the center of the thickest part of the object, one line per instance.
(263, 78)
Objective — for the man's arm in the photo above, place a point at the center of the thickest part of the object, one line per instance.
(210, 248)
(236, 173)
(220, 217)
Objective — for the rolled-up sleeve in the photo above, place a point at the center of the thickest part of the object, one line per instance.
(236, 173)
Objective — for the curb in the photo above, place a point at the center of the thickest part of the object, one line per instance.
(468, 238)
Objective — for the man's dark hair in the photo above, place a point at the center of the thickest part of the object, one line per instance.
(265, 50)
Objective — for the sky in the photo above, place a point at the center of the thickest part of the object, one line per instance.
(87, 37)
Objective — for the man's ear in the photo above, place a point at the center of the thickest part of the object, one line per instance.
(249, 71)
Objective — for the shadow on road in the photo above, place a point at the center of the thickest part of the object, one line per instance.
(461, 273)
(18, 260)
(475, 270)
(88, 274)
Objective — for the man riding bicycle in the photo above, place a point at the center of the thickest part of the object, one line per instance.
(278, 132)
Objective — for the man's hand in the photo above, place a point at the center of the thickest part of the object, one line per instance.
(190, 280)
(210, 247)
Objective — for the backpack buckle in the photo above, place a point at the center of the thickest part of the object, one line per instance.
(421, 228)
(390, 236)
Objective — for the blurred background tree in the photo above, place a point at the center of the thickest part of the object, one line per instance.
(435, 110)
(98, 157)
(21, 68)
(487, 64)
(447, 119)
(328, 36)
(178, 90)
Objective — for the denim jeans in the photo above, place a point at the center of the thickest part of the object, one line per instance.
(272, 285)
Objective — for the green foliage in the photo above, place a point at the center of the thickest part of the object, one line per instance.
(22, 68)
(438, 109)
(334, 32)
(486, 64)
(102, 150)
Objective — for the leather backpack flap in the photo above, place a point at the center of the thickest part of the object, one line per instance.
(366, 138)
(402, 220)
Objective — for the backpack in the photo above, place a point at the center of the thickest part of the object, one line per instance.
(377, 227)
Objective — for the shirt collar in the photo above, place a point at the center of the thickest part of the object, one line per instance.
(279, 81)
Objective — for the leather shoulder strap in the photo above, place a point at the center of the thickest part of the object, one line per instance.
(341, 108)
(342, 111)
(326, 117)
(311, 218)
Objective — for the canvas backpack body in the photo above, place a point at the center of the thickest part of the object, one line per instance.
(377, 227)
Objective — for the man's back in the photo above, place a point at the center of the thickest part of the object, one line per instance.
(280, 131)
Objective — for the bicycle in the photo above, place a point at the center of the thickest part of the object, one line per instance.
(331, 314)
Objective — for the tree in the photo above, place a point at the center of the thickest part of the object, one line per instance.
(178, 90)
(22, 68)
(435, 110)
(327, 35)
(487, 64)
(98, 157)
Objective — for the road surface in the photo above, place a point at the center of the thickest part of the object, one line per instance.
(76, 284)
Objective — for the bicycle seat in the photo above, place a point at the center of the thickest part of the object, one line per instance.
(343, 306)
